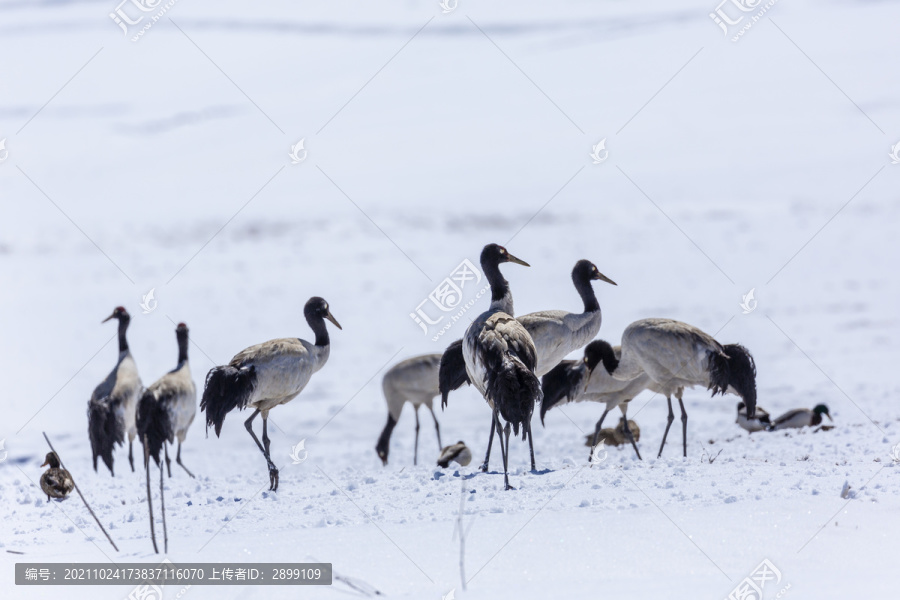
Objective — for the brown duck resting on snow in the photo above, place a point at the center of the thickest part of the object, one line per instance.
(56, 481)
(614, 437)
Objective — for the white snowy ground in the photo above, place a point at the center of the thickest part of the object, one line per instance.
(164, 164)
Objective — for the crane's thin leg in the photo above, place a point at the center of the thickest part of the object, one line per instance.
(273, 472)
(505, 446)
(162, 506)
(668, 424)
(130, 454)
(437, 428)
(499, 430)
(628, 435)
(597, 429)
(149, 499)
(530, 446)
(487, 457)
(266, 443)
(416, 451)
(178, 460)
(683, 427)
(168, 461)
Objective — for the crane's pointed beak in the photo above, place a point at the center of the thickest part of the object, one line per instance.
(331, 318)
(518, 261)
(112, 316)
(46, 462)
(602, 277)
(829, 417)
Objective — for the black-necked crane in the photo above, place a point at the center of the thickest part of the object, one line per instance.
(111, 409)
(413, 381)
(267, 375)
(579, 381)
(167, 408)
(801, 417)
(760, 422)
(556, 333)
(56, 481)
(676, 355)
(500, 359)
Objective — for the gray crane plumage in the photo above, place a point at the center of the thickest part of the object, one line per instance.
(168, 407)
(267, 375)
(676, 356)
(500, 358)
(583, 381)
(413, 381)
(111, 409)
(556, 333)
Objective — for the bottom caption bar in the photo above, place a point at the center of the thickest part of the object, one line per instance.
(169, 573)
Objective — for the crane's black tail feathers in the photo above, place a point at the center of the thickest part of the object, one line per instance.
(106, 429)
(514, 389)
(227, 388)
(452, 374)
(558, 386)
(154, 422)
(738, 370)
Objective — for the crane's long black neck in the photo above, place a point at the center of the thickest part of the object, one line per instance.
(123, 327)
(182, 347)
(586, 291)
(609, 360)
(384, 439)
(317, 324)
(501, 296)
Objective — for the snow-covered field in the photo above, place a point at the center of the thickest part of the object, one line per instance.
(164, 164)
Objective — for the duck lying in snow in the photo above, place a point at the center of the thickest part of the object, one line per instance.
(615, 437)
(458, 452)
(760, 422)
(56, 481)
(800, 417)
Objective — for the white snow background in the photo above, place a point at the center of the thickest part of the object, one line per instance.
(163, 164)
